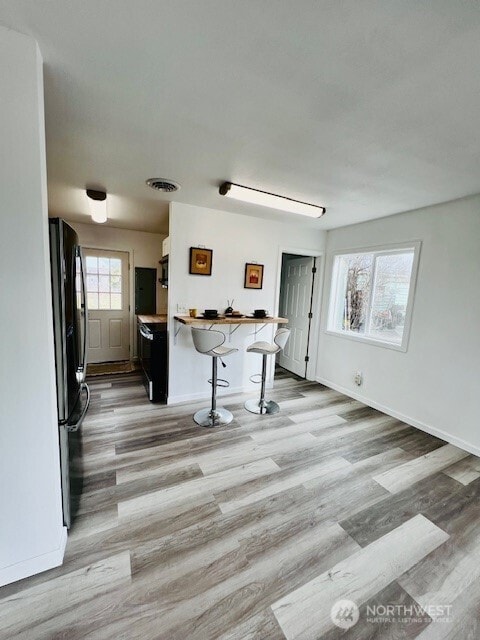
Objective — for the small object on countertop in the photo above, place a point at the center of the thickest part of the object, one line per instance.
(210, 313)
(193, 313)
(260, 313)
(229, 309)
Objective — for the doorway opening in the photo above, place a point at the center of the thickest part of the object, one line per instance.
(107, 284)
(297, 287)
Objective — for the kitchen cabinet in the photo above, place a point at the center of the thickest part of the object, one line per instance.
(166, 247)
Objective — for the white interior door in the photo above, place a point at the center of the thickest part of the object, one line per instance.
(108, 305)
(295, 302)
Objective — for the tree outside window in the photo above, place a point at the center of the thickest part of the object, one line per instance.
(370, 294)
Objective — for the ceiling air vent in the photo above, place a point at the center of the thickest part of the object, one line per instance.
(163, 185)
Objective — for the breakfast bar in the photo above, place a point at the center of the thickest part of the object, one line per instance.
(209, 341)
(233, 322)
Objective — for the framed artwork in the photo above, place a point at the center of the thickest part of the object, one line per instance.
(201, 261)
(253, 276)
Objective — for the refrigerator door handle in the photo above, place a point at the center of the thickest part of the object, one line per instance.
(78, 424)
(83, 367)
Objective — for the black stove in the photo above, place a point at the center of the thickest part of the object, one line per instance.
(152, 353)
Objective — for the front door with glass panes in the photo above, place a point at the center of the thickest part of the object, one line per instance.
(108, 302)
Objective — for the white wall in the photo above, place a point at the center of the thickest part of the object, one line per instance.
(435, 384)
(235, 240)
(145, 251)
(32, 536)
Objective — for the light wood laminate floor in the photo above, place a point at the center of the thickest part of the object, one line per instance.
(257, 529)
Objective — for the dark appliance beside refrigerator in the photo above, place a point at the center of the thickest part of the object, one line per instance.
(70, 334)
(152, 353)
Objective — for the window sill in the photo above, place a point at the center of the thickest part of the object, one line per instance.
(368, 340)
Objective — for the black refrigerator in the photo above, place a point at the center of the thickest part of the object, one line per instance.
(70, 333)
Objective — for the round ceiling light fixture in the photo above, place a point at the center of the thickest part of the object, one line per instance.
(164, 185)
(98, 205)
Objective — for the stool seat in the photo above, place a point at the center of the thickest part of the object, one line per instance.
(263, 347)
(221, 351)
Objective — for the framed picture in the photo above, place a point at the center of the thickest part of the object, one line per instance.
(253, 276)
(201, 261)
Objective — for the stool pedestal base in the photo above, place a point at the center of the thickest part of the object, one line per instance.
(261, 407)
(215, 418)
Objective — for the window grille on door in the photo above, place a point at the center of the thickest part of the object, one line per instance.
(104, 283)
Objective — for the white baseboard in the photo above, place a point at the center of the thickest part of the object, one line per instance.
(206, 395)
(35, 565)
(434, 431)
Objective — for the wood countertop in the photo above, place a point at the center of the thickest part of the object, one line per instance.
(153, 319)
(230, 320)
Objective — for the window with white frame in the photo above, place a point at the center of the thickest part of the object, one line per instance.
(372, 294)
(104, 283)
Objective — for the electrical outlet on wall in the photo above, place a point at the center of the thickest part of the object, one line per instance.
(358, 378)
(181, 308)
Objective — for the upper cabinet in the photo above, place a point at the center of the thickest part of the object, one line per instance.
(166, 246)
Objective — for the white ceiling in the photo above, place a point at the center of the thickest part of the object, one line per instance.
(369, 108)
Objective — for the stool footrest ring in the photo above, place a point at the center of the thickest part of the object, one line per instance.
(220, 382)
(256, 375)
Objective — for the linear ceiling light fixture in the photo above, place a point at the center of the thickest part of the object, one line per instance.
(98, 205)
(255, 196)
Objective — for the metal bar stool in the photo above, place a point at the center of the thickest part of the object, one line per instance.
(209, 343)
(263, 406)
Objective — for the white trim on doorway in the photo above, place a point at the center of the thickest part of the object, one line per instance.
(316, 302)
